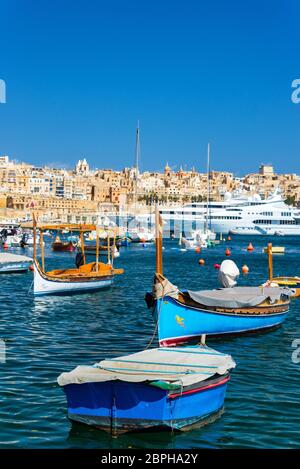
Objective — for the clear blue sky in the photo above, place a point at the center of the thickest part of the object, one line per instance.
(79, 74)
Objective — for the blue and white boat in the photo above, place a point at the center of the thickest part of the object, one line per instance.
(172, 388)
(185, 316)
(10, 263)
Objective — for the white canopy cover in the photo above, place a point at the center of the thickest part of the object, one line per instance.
(6, 257)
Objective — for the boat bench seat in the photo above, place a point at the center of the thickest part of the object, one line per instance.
(83, 270)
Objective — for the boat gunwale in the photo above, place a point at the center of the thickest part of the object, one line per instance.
(77, 278)
(268, 310)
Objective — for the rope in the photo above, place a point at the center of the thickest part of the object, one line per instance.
(156, 323)
(30, 288)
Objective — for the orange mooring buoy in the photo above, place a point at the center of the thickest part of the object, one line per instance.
(198, 249)
(227, 252)
(229, 238)
(245, 269)
(250, 247)
(201, 261)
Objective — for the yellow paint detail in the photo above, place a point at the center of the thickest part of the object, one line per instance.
(180, 321)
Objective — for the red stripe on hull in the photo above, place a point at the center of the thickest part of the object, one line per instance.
(204, 388)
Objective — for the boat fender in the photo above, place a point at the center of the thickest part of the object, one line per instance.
(228, 274)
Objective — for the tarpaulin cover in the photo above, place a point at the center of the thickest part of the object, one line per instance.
(182, 366)
(6, 257)
(238, 297)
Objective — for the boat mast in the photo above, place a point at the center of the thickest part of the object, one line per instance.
(137, 158)
(158, 242)
(34, 236)
(270, 255)
(97, 248)
(208, 186)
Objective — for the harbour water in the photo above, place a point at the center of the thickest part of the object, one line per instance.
(47, 335)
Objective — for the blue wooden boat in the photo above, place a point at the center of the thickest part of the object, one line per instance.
(185, 316)
(153, 389)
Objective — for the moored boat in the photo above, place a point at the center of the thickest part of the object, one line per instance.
(63, 246)
(156, 388)
(275, 250)
(85, 277)
(183, 316)
(293, 283)
(10, 263)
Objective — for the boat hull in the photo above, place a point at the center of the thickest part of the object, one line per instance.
(180, 324)
(118, 406)
(42, 285)
(293, 283)
(14, 267)
(64, 247)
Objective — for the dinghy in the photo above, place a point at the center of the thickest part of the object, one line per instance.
(62, 246)
(293, 283)
(162, 388)
(85, 277)
(275, 250)
(10, 263)
(182, 316)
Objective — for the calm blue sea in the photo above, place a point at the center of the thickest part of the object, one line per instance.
(46, 336)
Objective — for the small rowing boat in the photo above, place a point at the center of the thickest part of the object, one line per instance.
(63, 246)
(10, 263)
(275, 250)
(293, 283)
(157, 388)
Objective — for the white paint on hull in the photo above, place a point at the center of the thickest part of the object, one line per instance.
(43, 286)
(14, 267)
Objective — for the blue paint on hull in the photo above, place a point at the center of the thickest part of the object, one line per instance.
(117, 406)
(178, 323)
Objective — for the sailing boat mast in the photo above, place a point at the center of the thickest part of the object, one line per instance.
(208, 186)
(137, 158)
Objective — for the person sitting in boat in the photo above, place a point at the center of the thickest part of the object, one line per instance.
(79, 259)
(24, 240)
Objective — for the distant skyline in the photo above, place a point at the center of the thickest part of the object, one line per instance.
(174, 168)
(79, 75)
